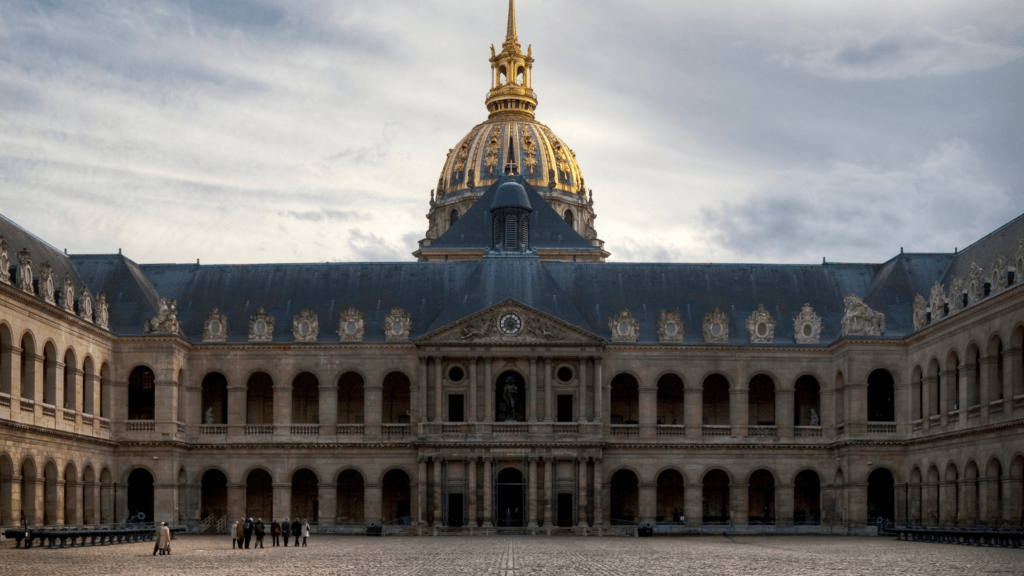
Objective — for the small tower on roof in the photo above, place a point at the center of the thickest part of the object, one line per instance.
(511, 75)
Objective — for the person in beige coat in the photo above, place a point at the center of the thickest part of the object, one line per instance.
(240, 532)
(163, 540)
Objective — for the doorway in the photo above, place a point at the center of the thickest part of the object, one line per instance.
(455, 510)
(565, 510)
(510, 498)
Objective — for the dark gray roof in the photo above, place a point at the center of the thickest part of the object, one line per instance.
(18, 239)
(511, 195)
(1003, 241)
(547, 228)
(131, 297)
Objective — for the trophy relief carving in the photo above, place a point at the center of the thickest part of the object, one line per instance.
(261, 327)
(25, 271)
(484, 328)
(397, 325)
(541, 330)
(716, 327)
(670, 327)
(956, 295)
(938, 303)
(215, 328)
(1018, 262)
(351, 327)
(975, 285)
(859, 320)
(102, 312)
(305, 327)
(761, 326)
(166, 319)
(920, 312)
(46, 288)
(67, 295)
(999, 272)
(85, 305)
(5, 262)
(807, 326)
(624, 327)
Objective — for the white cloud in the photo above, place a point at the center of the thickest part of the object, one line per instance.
(903, 52)
(852, 213)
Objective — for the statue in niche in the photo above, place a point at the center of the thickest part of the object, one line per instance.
(67, 295)
(815, 421)
(509, 394)
(25, 271)
(860, 320)
(85, 305)
(5, 262)
(102, 313)
(208, 419)
(46, 287)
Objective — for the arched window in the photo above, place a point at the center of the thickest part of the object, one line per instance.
(305, 399)
(881, 407)
(49, 374)
(569, 218)
(214, 396)
(807, 402)
(453, 218)
(28, 368)
(624, 403)
(70, 381)
(716, 401)
(5, 360)
(761, 401)
(141, 394)
(259, 399)
(351, 398)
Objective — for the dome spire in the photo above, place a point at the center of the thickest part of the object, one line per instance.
(511, 75)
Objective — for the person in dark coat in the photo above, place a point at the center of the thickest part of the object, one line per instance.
(248, 526)
(275, 533)
(296, 530)
(285, 531)
(259, 530)
(239, 533)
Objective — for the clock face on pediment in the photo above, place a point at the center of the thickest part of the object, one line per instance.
(511, 323)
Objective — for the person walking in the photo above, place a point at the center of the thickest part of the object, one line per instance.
(286, 532)
(305, 531)
(259, 531)
(162, 540)
(240, 532)
(234, 535)
(248, 531)
(275, 533)
(296, 530)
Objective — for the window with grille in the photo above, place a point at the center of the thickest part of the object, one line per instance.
(526, 230)
(510, 232)
(497, 232)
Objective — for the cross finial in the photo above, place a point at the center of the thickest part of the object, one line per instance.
(511, 35)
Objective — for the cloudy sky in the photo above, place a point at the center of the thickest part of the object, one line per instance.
(244, 131)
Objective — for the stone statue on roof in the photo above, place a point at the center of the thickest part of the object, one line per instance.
(25, 271)
(102, 313)
(5, 262)
(46, 287)
(859, 320)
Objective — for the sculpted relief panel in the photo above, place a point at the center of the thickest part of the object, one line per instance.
(85, 305)
(859, 320)
(46, 287)
(261, 327)
(975, 285)
(938, 302)
(624, 327)
(716, 327)
(5, 262)
(67, 295)
(920, 312)
(166, 319)
(102, 312)
(305, 327)
(397, 326)
(25, 272)
(670, 327)
(351, 327)
(999, 273)
(215, 328)
(807, 326)
(761, 326)
(956, 295)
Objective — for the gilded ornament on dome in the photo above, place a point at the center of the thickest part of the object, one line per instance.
(460, 158)
(493, 148)
(529, 150)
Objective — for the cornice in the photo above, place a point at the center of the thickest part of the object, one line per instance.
(39, 305)
(949, 322)
(61, 434)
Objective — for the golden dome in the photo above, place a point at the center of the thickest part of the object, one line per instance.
(511, 141)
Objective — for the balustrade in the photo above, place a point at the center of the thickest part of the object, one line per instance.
(140, 426)
(27, 405)
(717, 431)
(807, 431)
(625, 430)
(1018, 402)
(394, 430)
(305, 429)
(762, 432)
(49, 410)
(566, 428)
(671, 430)
(259, 429)
(918, 425)
(350, 429)
(69, 416)
(881, 427)
(215, 430)
(5, 400)
(105, 423)
(87, 420)
(511, 428)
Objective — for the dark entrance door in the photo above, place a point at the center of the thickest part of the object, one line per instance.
(510, 491)
(455, 517)
(565, 510)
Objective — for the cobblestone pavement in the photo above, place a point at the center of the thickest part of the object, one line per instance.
(526, 556)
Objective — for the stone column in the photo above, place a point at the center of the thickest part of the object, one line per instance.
(373, 401)
(598, 494)
(1010, 365)
(283, 412)
(581, 403)
(421, 490)
(422, 403)
(928, 392)
(372, 499)
(966, 373)
(930, 502)
(59, 499)
(282, 500)
(236, 410)
(471, 489)
(15, 512)
(901, 504)
(327, 509)
(915, 504)
(857, 411)
(329, 409)
(438, 493)
(236, 501)
(438, 390)
(581, 496)
(946, 395)
(948, 512)
(693, 406)
(693, 505)
(166, 409)
(647, 501)
(548, 463)
(488, 393)
(784, 412)
(549, 395)
(784, 504)
(12, 371)
(1011, 500)
(857, 494)
(967, 514)
(532, 401)
(532, 497)
(738, 504)
(901, 396)
(648, 405)
(599, 393)
(739, 410)
(474, 384)
(488, 485)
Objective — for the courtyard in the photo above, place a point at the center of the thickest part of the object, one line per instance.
(522, 556)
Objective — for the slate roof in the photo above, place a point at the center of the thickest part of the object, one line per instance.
(1002, 241)
(18, 239)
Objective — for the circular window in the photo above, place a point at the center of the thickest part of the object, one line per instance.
(456, 374)
(565, 374)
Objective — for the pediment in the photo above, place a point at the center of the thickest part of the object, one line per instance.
(511, 323)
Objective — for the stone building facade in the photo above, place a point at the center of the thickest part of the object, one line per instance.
(511, 377)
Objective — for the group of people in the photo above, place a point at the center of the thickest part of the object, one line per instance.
(243, 531)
